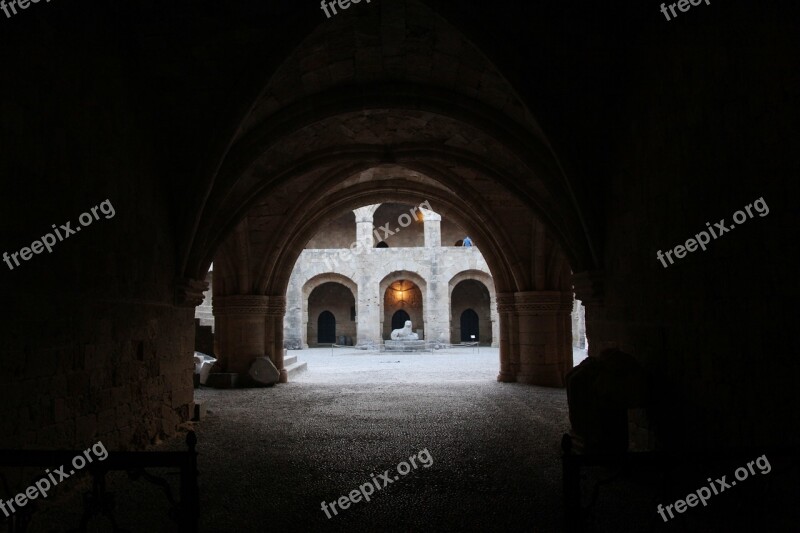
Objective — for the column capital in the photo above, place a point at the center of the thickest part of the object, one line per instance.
(590, 286)
(505, 302)
(241, 304)
(189, 292)
(430, 216)
(276, 306)
(542, 302)
(365, 213)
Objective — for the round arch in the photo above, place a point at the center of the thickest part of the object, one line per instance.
(355, 138)
(421, 285)
(471, 297)
(488, 282)
(310, 286)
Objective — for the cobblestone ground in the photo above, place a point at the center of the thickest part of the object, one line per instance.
(269, 457)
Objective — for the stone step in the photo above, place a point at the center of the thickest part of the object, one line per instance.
(289, 360)
(295, 368)
(199, 411)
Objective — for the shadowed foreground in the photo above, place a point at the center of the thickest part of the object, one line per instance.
(270, 457)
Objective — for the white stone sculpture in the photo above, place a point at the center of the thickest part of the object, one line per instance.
(404, 334)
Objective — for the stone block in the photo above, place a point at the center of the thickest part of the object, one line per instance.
(199, 411)
(263, 372)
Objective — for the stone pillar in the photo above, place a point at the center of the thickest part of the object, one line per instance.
(368, 304)
(545, 350)
(276, 309)
(294, 326)
(437, 301)
(495, 320)
(589, 289)
(505, 312)
(433, 228)
(365, 225)
(190, 292)
(240, 330)
(368, 307)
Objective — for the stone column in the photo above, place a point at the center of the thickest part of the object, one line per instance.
(589, 289)
(276, 309)
(545, 350)
(433, 228)
(495, 321)
(293, 323)
(240, 330)
(365, 225)
(190, 292)
(368, 304)
(437, 301)
(505, 312)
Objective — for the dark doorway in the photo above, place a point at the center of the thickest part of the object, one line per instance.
(469, 326)
(399, 319)
(326, 328)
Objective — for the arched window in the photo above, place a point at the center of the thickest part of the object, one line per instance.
(399, 319)
(326, 328)
(382, 244)
(470, 326)
(459, 242)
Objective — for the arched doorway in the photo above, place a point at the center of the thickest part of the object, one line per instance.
(399, 319)
(402, 298)
(326, 328)
(470, 326)
(331, 314)
(470, 312)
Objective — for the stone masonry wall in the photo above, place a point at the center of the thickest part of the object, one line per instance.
(708, 327)
(94, 348)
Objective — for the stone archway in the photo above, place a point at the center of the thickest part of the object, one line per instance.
(353, 139)
(403, 291)
(302, 318)
(399, 319)
(335, 301)
(470, 296)
(326, 328)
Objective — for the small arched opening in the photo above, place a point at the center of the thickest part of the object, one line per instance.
(470, 326)
(326, 328)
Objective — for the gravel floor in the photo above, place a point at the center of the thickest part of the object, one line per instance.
(270, 457)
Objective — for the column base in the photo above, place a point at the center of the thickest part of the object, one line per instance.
(544, 376)
(284, 377)
(506, 377)
(234, 380)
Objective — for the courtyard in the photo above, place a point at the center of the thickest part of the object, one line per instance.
(349, 365)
